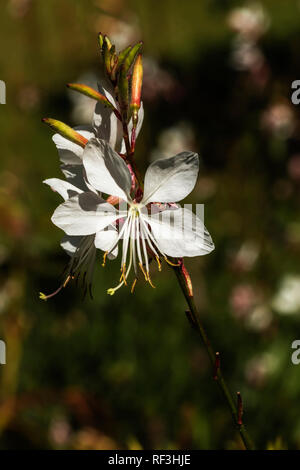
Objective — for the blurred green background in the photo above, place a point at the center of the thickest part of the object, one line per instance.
(127, 372)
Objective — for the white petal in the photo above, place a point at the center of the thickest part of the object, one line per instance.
(106, 124)
(180, 233)
(106, 239)
(69, 152)
(76, 174)
(84, 214)
(106, 171)
(64, 188)
(70, 244)
(138, 127)
(140, 120)
(171, 179)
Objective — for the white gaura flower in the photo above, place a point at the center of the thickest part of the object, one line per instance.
(105, 126)
(144, 233)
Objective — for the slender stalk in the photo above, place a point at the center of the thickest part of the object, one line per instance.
(249, 445)
(130, 153)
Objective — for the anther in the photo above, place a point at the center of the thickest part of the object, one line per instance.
(158, 263)
(67, 280)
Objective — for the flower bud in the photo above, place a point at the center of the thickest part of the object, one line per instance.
(106, 55)
(123, 86)
(123, 92)
(122, 55)
(66, 131)
(130, 57)
(100, 40)
(107, 41)
(136, 88)
(113, 62)
(91, 93)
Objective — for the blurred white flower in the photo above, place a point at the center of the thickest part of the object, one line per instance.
(246, 55)
(118, 22)
(260, 368)
(83, 107)
(287, 300)
(260, 318)
(245, 258)
(122, 33)
(250, 21)
(174, 140)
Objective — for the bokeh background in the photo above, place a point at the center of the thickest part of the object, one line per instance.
(127, 372)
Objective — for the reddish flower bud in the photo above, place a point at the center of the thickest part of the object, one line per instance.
(136, 88)
(123, 86)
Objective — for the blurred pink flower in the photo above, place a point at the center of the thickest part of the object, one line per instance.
(279, 120)
(293, 167)
(158, 82)
(242, 300)
(59, 431)
(29, 97)
(18, 8)
(260, 368)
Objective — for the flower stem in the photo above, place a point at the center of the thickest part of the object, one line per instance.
(197, 323)
(130, 149)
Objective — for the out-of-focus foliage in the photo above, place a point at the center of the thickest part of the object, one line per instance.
(128, 372)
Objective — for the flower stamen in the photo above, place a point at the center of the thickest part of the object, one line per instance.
(158, 262)
(43, 296)
(133, 286)
(104, 259)
(149, 280)
(170, 262)
(123, 275)
(143, 271)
